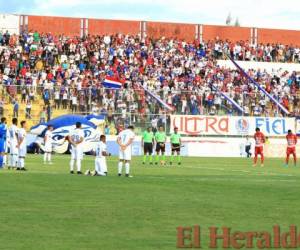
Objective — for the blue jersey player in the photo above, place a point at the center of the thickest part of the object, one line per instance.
(3, 132)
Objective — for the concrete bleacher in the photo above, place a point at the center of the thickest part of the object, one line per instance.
(36, 109)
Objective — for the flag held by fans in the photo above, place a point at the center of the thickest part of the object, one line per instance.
(112, 82)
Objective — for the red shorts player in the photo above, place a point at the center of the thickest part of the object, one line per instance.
(259, 138)
(291, 147)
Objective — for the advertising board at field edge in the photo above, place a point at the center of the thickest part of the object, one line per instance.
(231, 125)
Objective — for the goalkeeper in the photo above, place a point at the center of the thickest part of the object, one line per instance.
(160, 138)
(175, 146)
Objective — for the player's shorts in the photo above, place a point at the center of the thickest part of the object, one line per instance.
(76, 153)
(100, 165)
(22, 152)
(175, 147)
(290, 150)
(13, 150)
(259, 150)
(148, 147)
(126, 154)
(2, 145)
(48, 148)
(160, 147)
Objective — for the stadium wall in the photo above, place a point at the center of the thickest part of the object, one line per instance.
(81, 26)
(102, 27)
(225, 32)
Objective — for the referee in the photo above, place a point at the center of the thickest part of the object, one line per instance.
(175, 146)
(160, 138)
(147, 143)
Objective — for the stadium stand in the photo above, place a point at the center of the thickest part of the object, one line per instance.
(45, 75)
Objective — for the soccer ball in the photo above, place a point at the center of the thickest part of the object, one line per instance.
(163, 163)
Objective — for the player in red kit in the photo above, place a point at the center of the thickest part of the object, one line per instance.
(291, 147)
(259, 138)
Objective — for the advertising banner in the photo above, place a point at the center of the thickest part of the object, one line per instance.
(231, 125)
(297, 125)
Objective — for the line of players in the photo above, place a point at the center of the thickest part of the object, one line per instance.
(260, 139)
(14, 138)
(13, 141)
(124, 140)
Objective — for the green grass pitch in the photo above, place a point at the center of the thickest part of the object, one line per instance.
(47, 208)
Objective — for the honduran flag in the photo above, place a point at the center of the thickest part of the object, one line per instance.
(113, 82)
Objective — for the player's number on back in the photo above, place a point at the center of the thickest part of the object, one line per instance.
(75, 138)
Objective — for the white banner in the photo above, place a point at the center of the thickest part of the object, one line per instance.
(298, 125)
(231, 125)
(268, 66)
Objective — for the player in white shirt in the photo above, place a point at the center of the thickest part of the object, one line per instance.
(76, 138)
(13, 142)
(22, 146)
(125, 140)
(48, 144)
(100, 160)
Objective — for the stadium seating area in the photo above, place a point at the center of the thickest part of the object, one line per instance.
(47, 75)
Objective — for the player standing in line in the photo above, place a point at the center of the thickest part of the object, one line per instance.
(48, 144)
(259, 146)
(13, 142)
(175, 146)
(147, 143)
(22, 146)
(160, 138)
(76, 138)
(3, 134)
(291, 147)
(125, 140)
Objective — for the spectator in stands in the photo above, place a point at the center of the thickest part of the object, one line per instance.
(15, 109)
(28, 110)
(69, 71)
(43, 115)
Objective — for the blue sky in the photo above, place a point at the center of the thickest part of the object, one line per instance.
(254, 13)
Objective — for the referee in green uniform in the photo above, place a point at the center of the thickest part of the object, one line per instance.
(160, 138)
(175, 146)
(147, 143)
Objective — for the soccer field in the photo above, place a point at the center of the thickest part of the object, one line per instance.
(47, 208)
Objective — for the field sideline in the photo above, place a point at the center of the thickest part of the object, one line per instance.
(47, 208)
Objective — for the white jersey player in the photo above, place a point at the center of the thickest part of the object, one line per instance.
(100, 160)
(13, 143)
(76, 138)
(22, 146)
(48, 145)
(125, 140)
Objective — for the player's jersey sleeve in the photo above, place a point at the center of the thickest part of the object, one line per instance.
(120, 136)
(104, 147)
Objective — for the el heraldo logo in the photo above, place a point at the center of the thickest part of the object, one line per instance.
(226, 237)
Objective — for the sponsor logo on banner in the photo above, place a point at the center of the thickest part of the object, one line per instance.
(231, 125)
(242, 126)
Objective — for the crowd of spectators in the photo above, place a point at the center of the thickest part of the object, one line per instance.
(68, 74)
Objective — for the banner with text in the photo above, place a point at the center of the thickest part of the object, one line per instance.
(231, 125)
